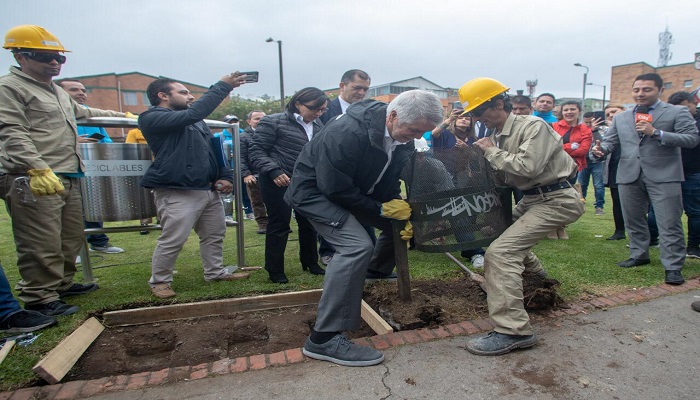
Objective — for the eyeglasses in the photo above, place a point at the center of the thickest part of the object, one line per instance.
(44, 57)
(321, 109)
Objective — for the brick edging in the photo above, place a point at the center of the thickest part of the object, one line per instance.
(82, 389)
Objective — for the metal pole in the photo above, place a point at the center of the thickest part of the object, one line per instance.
(583, 100)
(604, 87)
(279, 43)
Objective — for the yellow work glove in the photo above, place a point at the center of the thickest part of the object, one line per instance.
(130, 115)
(407, 231)
(396, 209)
(44, 181)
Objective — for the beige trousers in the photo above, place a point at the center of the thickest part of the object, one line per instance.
(510, 255)
(48, 236)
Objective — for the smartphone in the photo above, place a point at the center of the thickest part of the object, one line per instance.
(251, 76)
(97, 136)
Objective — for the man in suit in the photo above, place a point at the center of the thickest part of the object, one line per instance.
(651, 170)
(354, 85)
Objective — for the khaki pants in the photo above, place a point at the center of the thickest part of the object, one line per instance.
(509, 256)
(256, 202)
(48, 236)
(179, 211)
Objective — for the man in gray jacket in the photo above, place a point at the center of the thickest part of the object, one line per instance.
(651, 171)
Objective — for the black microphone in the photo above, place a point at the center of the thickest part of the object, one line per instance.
(642, 114)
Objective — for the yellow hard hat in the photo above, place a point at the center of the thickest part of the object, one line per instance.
(31, 37)
(478, 91)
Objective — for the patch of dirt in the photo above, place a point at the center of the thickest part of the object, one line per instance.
(152, 347)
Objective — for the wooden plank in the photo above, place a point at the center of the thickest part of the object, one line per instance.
(401, 258)
(374, 321)
(208, 308)
(61, 359)
(6, 349)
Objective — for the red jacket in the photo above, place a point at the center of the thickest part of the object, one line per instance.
(580, 134)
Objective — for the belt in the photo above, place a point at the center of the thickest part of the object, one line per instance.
(547, 188)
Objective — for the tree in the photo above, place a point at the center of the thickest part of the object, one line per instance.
(240, 107)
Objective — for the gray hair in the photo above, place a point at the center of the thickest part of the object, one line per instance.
(415, 106)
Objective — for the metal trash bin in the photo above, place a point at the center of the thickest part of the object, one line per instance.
(111, 187)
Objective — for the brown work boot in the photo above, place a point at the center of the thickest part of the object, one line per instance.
(163, 291)
(561, 233)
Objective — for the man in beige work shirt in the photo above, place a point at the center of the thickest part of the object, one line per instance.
(38, 141)
(529, 156)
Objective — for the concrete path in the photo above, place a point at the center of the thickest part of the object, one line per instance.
(646, 351)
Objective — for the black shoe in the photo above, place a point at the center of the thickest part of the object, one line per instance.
(617, 236)
(374, 276)
(693, 252)
(674, 277)
(695, 305)
(77, 289)
(53, 308)
(314, 269)
(495, 344)
(281, 278)
(633, 262)
(26, 321)
(261, 231)
(654, 242)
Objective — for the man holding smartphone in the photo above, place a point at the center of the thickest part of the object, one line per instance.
(90, 134)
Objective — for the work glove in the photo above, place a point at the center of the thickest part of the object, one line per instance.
(396, 209)
(44, 181)
(407, 231)
(130, 115)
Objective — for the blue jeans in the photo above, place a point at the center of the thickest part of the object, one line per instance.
(691, 205)
(595, 170)
(8, 304)
(96, 239)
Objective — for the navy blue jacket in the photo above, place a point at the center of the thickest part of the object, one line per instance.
(181, 144)
(334, 109)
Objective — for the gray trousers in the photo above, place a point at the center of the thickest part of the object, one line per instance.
(667, 200)
(339, 307)
(179, 211)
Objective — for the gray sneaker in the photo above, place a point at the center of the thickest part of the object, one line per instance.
(495, 344)
(342, 351)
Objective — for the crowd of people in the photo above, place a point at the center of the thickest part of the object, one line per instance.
(335, 166)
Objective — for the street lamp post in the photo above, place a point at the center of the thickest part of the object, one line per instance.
(279, 47)
(604, 90)
(585, 80)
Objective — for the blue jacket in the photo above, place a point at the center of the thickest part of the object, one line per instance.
(181, 144)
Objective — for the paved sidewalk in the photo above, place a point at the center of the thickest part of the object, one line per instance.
(649, 350)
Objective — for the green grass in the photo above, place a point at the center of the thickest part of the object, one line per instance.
(584, 265)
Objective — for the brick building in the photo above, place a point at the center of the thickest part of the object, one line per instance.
(123, 92)
(676, 78)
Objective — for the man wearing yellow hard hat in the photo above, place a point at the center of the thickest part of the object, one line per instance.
(529, 156)
(39, 169)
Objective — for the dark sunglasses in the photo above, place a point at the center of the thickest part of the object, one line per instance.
(44, 57)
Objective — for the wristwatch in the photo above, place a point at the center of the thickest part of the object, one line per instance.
(656, 134)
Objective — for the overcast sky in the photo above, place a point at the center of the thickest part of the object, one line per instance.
(447, 42)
